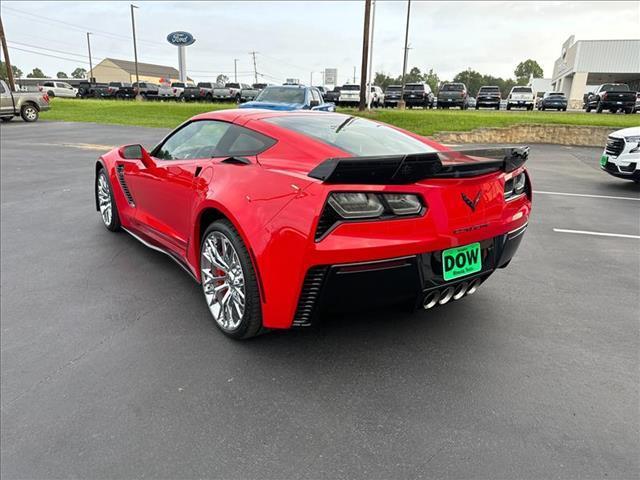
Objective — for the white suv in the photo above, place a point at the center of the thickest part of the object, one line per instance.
(349, 95)
(521, 97)
(59, 89)
(621, 156)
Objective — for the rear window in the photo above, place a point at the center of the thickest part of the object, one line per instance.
(615, 87)
(489, 89)
(522, 90)
(394, 88)
(415, 87)
(354, 135)
(452, 87)
(351, 87)
(232, 85)
(555, 94)
(204, 85)
(178, 84)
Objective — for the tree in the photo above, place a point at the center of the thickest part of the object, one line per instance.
(383, 80)
(222, 79)
(527, 68)
(36, 73)
(17, 73)
(79, 73)
(431, 78)
(414, 76)
(472, 79)
(61, 75)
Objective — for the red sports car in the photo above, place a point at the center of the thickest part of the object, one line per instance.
(284, 215)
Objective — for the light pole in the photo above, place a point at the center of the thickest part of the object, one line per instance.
(90, 61)
(135, 52)
(373, 24)
(311, 79)
(7, 62)
(235, 70)
(365, 56)
(401, 103)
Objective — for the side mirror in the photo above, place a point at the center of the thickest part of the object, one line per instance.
(314, 103)
(136, 152)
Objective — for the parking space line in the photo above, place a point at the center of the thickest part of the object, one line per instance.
(541, 192)
(600, 234)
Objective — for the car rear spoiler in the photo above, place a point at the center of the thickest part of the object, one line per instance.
(411, 168)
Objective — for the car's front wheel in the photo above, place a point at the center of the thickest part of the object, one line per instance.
(106, 202)
(229, 281)
(29, 113)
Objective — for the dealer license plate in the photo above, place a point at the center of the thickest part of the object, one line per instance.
(461, 261)
(603, 160)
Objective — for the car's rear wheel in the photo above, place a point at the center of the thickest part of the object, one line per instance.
(106, 202)
(229, 281)
(29, 113)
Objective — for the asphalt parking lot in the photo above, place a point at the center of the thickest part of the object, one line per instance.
(112, 368)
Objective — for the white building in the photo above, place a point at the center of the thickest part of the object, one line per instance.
(586, 63)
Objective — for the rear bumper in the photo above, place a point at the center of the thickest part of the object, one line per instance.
(416, 101)
(488, 102)
(411, 279)
(607, 104)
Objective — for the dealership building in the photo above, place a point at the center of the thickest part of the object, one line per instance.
(114, 70)
(584, 64)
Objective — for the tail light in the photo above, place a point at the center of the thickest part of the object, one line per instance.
(202, 91)
(175, 90)
(230, 92)
(604, 95)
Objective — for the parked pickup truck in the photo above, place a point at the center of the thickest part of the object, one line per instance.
(248, 94)
(58, 89)
(290, 97)
(333, 95)
(521, 97)
(146, 89)
(488, 96)
(453, 95)
(231, 92)
(119, 90)
(26, 104)
(201, 91)
(418, 95)
(612, 97)
(86, 89)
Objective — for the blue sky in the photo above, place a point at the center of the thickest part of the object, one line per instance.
(295, 38)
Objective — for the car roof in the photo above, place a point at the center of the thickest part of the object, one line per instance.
(244, 115)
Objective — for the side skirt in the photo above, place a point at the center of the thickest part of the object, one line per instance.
(162, 250)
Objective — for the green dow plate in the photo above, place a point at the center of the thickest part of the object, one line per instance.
(460, 261)
(603, 160)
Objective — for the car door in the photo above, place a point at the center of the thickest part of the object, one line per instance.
(6, 100)
(164, 194)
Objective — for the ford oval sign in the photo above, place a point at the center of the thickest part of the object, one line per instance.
(180, 39)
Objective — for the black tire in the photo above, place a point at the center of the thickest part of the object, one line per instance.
(599, 107)
(6, 119)
(115, 224)
(238, 98)
(29, 112)
(628, 111)
(498, 107)
(251, 323)
(477, 107)
(587, 108)
(208, 98)
(564, 109)
(508, 107)
(51, 93)
(543, 108)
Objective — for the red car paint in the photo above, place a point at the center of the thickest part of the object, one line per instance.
(275, 206)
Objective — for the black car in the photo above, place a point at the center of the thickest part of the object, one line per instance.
(489, 96)
(554, 100)
(612, 97)
(392, 95)
(146, 89)
(418, 95)
(332, 95)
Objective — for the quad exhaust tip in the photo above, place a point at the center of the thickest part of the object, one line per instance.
(454, 292)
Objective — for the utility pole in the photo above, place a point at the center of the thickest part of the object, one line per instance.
(373, 24)
(365, 55)
(354, 74)
(235, 70)
(7, 62)
(255, 69)
(311, 79)
(401, 104)
(135, 52)
(90, 61)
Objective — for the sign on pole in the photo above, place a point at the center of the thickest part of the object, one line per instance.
(331, 76)
(181, 40)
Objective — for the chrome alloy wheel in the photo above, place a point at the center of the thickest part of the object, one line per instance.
(222, 280)
(30, 113)
(104, 199)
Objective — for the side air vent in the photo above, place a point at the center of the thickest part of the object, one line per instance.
(311, 288)
(123, 184)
